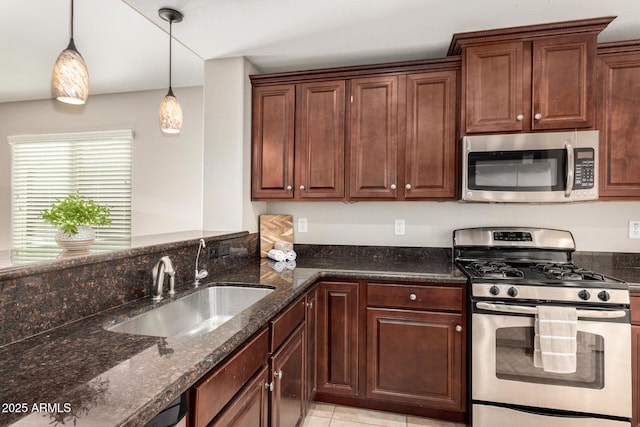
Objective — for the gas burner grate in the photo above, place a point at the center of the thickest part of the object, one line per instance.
(494, 270)
(567, 272)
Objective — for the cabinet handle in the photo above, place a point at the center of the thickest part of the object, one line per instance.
(408, 186)
(520, 117)
(277, 375)
(289, 188)
(538, 116)
(302, 187)
(310, 305)
(393, 186)
(269, 386)
(458, 328)
(413, 297)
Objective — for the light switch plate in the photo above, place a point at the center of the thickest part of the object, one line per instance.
(634, 229)
(398, 227)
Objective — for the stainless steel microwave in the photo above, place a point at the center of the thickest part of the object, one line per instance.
(549, 167)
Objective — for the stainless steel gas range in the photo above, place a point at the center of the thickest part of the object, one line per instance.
(550, 341)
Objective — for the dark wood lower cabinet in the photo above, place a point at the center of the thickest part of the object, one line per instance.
(338, 338)
(414, 357)
(287, 370)
(249, 408)
(396, 347)
(635, 372)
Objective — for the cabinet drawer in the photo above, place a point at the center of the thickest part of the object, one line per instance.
(285, 323)
(213, 392)
(635, 309)
(418, 297)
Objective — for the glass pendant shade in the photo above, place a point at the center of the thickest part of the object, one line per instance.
(170, 114)
(70, 77)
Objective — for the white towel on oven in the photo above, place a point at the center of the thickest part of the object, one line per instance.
(555, 339)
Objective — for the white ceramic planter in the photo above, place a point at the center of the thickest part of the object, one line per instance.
(79, 242)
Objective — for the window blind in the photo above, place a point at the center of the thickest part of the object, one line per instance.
(50, 167)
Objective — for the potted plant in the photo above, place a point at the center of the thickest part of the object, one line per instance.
(74, 217)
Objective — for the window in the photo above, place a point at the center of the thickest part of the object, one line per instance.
(50, 167)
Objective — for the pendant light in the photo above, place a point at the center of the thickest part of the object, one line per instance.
(70, 74)
(170, 110)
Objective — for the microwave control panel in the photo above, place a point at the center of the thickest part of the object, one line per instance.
(584, 171)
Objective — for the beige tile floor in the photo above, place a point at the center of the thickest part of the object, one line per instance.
(327, 415)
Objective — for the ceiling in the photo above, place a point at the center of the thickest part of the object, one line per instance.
(125, 44)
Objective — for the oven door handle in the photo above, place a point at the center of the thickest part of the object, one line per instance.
(521, 309)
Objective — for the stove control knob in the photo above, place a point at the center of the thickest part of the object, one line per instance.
(512, 292)
(584, 294)
(604, 296)
(494, 290)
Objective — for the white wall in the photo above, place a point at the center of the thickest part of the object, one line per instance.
(167, 170)
(596, 226)
(227, 147)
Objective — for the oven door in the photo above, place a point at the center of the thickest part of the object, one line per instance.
(503, 370)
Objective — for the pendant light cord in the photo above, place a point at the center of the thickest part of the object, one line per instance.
(170, 38)
(71, 19)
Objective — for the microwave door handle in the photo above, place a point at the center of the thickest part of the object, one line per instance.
(570, 169)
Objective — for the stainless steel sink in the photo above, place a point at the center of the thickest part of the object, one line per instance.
(195, 314)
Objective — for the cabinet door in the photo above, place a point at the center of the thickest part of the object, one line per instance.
(272, 142)
(374, 137)
(287, 368)
(494, 84)
(635, 375)
(564, 80)
(430, 156)
(320, 140)
(249, 408)
(415, 357)
(618, 110)
(311, 323)
(337, 352)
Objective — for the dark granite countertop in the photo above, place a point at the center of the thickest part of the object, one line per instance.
(80, 374)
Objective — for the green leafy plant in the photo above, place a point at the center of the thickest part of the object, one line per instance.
(75, 210)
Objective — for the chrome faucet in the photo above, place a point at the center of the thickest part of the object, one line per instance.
(162, 267)
(201, 274)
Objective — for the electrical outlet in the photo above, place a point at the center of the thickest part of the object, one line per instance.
(302, 225)
(634, 229)
(212, 252)
(398, 227)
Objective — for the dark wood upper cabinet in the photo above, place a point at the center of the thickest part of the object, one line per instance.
(319, 146)
(378, 132)
(430, 155)
(273, 117)
(523, 86)
(564, 81)
(618, 109)
(374, 137)
(539, 77)
(494, 87)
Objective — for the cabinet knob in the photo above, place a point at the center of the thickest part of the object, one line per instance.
(302, 187)
(538, 116)
(289, 188)
(393, 186)
(458, 328)
(408, 186)
(310, 305)
(520, 117)
(413, 297)
(269, 386)
(277, 375)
